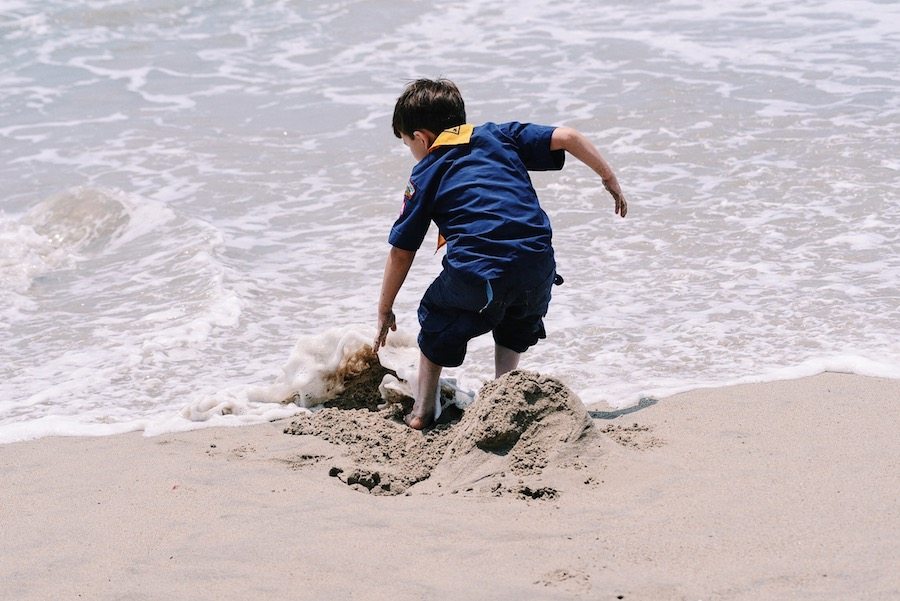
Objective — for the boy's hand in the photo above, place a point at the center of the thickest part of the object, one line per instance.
(613, 188)
(574, 142)
(395, 270)
(386, 321)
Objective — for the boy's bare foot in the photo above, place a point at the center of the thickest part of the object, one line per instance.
(416, 422)
(420, 422)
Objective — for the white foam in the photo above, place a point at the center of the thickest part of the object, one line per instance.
(305, 380)
(23, 27)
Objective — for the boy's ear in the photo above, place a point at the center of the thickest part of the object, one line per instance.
(426, 136)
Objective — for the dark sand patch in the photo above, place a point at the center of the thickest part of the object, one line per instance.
(353, 385)
(380, 453)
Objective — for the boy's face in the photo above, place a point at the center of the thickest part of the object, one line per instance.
(418, 143)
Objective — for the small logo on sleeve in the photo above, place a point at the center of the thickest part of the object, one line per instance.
(408, 195)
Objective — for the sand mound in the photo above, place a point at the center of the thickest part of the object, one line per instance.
(523, 414)
(520, 423)
(523, 429)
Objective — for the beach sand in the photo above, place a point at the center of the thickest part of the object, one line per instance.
(783, 490)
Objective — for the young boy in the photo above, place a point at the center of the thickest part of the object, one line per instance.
(473, 182)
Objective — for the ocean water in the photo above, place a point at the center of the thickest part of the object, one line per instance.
(196, 195)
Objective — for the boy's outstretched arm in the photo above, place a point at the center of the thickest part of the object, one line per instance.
(574, 142)
(395, 269)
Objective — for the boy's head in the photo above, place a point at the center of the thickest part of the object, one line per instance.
(429, 105)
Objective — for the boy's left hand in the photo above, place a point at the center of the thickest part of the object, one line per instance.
(386, 321)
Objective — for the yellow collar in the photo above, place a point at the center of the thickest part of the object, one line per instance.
(455, 136)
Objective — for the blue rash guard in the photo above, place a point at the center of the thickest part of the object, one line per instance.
(474, 185)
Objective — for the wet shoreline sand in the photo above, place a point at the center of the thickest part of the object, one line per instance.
(778, 490)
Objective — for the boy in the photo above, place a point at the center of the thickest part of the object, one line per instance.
(473, 183)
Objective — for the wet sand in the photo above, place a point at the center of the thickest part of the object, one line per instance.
(780, 490)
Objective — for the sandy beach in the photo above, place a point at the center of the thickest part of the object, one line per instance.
(784, 490)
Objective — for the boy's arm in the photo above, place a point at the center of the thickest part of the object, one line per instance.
(573, 142)
(395, 269)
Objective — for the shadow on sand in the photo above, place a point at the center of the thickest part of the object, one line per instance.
(642, 404)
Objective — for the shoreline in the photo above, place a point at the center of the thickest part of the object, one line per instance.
(785, 489)
(208, 416)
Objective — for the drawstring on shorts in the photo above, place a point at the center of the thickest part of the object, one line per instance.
(489, 293)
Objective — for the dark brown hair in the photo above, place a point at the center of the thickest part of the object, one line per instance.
(433, 105)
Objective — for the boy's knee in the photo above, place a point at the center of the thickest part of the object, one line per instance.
(439, 352)
(520, 336)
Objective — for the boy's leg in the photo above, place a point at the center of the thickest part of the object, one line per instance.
(422, 413)
(505, 360)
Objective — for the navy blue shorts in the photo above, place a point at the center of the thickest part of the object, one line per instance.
(454, 310)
